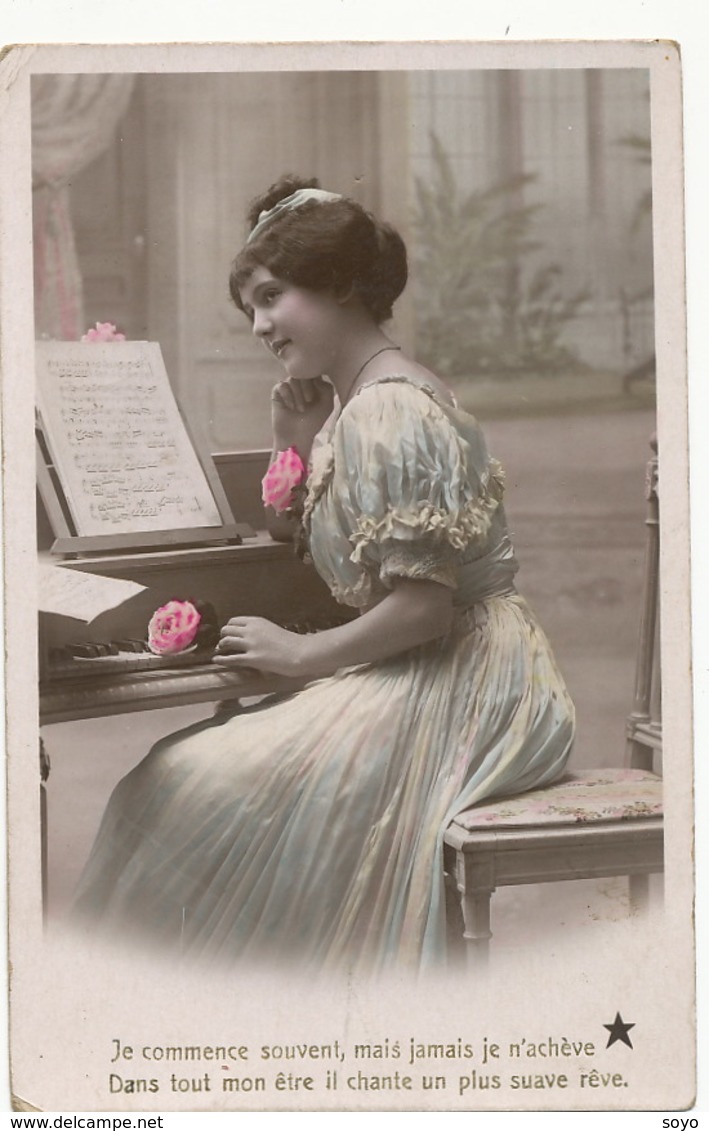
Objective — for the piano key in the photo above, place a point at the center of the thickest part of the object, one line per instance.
(119, 663)
(132, 645)
(124, 656)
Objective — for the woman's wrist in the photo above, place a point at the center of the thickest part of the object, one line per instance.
(296, 437)
(311, 655)
(282, 441)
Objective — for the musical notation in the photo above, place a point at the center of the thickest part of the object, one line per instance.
(118, 441)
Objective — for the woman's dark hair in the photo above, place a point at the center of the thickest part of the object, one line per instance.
(324, 245)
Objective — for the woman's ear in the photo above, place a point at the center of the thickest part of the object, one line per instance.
(343, 293)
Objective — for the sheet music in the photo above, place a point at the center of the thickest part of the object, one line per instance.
(120, 446)
(73, 593)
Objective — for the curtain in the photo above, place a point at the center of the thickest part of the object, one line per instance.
(74, 118)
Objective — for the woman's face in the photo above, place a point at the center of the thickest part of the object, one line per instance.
(300, 327)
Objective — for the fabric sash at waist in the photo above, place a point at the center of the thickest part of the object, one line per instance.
(489, 576)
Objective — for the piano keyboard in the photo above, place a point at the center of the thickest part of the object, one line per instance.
(116, 658)
(125, 656)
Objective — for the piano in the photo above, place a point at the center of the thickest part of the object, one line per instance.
(259, 577)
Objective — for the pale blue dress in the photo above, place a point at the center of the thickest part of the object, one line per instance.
(308, 830)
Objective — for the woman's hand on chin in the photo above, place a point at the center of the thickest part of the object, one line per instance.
(256, 643)
(298, 411)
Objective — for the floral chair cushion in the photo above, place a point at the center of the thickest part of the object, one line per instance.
(601, 795)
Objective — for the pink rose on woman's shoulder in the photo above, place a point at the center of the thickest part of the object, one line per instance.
(103, 332)
(280, 481)
(173, 628)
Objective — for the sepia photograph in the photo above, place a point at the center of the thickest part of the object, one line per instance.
(356, 432)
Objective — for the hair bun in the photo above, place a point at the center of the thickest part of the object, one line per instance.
(285, 186)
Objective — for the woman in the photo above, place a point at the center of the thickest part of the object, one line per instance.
(308, 830)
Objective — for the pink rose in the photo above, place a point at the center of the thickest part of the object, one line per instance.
(173, 627)
(278, 484)
(104, 332)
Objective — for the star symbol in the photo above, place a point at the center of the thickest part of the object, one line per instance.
(619, 1031)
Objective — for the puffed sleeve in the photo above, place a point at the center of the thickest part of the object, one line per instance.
(410, 488)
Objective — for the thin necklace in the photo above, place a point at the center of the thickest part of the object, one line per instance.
(362, 368)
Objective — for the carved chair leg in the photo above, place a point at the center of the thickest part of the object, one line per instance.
(455, 927)
(477, 934)
(475, 880)
(639, 891)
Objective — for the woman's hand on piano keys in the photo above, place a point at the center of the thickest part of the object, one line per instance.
(256, 643)
(415, 612)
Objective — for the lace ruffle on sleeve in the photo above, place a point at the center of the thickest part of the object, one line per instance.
(410, 490)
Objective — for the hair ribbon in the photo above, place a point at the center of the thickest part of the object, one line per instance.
(295, 200)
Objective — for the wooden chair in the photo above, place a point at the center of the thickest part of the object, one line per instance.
(587, 825)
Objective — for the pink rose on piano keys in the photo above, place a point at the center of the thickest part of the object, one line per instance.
(280, 481)
(103, 332)
(173, 628)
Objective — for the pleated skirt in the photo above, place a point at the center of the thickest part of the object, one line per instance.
(306, 831)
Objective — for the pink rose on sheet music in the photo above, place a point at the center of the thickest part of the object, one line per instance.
(280, 481)
(103, 332)
(173, 628)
